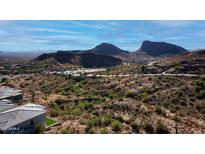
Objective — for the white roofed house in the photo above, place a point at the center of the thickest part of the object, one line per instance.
(9, 93)
(23, 119)
(6, 104)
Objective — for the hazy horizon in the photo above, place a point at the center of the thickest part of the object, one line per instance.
(52, 35)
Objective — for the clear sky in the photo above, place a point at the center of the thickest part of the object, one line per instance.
(85, 34)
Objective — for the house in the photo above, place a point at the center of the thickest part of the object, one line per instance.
(6, 105)
(22, 119)
(11, 94)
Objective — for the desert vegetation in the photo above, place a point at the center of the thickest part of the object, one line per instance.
(146, 104)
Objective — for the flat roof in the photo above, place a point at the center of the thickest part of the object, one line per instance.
(17, 115)
(8, 92)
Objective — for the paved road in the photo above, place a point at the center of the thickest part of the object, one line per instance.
(114, 76)
(137, 75)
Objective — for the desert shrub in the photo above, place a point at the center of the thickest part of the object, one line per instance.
(175, 101)
(148, 128)
(106, 120)
(94, 122)
(158, 110)
(60, 101)
(75, 89)
(132, 94)
(176, 118)
(89, 125)
(96, 113)
(143, 96)
(97, 121)
(201, 94)
(161, 128)
(91, 131)
(200, 82)
(201, 108)
(78, 78)
(3, 80)
(87, 105)
(116, 125)
(76, 112)
(39, 129)
(135, 127)
(200, 88)
(104, 131)
(114, 96)
(119, 118)
(66, 131)
(143, 69)
(46, 89)
(55, 113)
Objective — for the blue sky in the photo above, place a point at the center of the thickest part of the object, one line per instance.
(85, 34)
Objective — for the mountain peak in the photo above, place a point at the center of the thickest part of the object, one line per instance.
(109, 49)
(161, 48)
(105, 44)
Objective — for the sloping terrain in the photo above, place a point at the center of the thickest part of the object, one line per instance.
(161, 49)
(85, 59)
(109, 49)
(145, 104)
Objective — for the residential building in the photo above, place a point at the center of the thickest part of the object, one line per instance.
(11, 94)
(6, 105)
(22, 119)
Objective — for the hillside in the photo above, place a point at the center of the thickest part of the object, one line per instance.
(109, 49)
(85, 59)
(161, 49)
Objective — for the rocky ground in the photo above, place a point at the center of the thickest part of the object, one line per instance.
(146, 104)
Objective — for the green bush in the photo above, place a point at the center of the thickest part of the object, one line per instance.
(94, 122)
(3, 80)
(132, 94)
(55, 113)
(148, 128)
(104, 131)
(39, 129)
(135, 127)
(201, 108)
(88, 106)
(60, 101)
(158, 110)
(161, 129)
(200, 88)
(96, 113)
(76, 112)
(201, 94)
(106, 120)
(143, 69)
(143, 96)
(66, 131)
(119, 118)
(114, 96)
(116, 125)
(89, 125)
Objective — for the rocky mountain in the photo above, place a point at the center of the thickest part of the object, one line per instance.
(85, 59)
(106, 54)
(109, 49)
(156, 49)
(200, 52)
